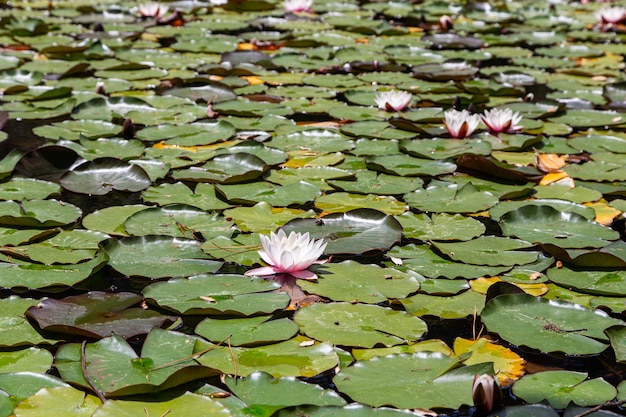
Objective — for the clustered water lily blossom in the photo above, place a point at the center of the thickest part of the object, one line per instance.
(609, 17)
(460, 124)
(152, 9)
(393, 100)
(291, 254)
(297, 6)
(501, 120)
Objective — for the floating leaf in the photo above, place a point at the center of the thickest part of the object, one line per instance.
(158, 257)
(440, 226)
(358, 324)
(356, 231)
(452, 198)
(101, 176)
(265, 394)
(250, 331)
(115, 369)
(550, 326)
(508, 366)
(294, 357)
(393, 380)
(218, 294)
(561, 387)
(544, 224)
(489, 250)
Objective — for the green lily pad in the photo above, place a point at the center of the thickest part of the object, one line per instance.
(114, 368)
(591, 282)
(295, 357)
(110, 220)
(218, 294)
(225, 169)
(353, 232)
(101, 176)
(158, 257)
(560, 388)
(589, 118)
(48, 277)
(62, 400)
(250, 331)
(263, 218)
(353, 282)
(504, 207)
(405, 165)
(342, 202)
(577, 194)
(192, 134)
(30, 359)
(458, 306)
(489, 250)
(16, 329)
(442, 196)
(442, 226)
(186, 404)
(38, 213)
(618, 342)
(423, 260)
(393, 380)
(203, 196)
(265, 394)
(358, 325)
(369, 182)
(66, 247)
(27, 189)
(544, 224)
(547, 325)
(178, 220)
(300, 192)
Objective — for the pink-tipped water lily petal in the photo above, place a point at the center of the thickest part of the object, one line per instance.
(460, 124)
(297, 6)
(291, 254)
(393, 100)
(262, 271)
(501, 120)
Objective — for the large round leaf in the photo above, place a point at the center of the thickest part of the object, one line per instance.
(250, 331)
(359, 325)
(442, 196)
(592, 282)
(298, 356)
(114, 367)
(354, 232)
(178, 220)
(560, 388)
(218, 294)
(225, 169)
(548, 325)
(38, 213)
(421, 380)
(266, 394)
(353, 282)
(158, 257)
(544, 224)
(489, 250)
(100, 176)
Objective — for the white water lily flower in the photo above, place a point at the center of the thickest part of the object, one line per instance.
(460, 124)
(291, 254)
(486, 393)
(393, 100)
(297, 6)
(611, 15)
(152, 9)
(501, 120)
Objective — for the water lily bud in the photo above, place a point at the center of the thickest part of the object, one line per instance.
(486, 394)
(128, 129)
